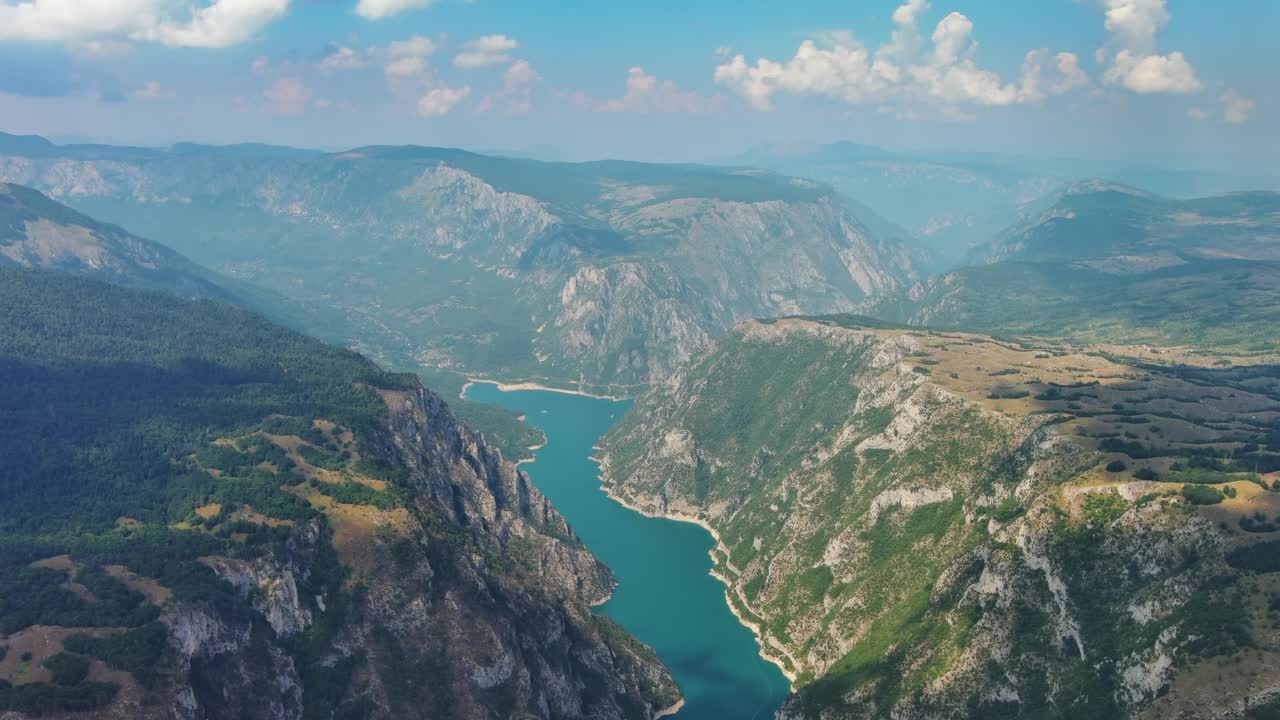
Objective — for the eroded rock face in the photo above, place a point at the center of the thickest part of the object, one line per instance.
(474, 604)
(918, 524)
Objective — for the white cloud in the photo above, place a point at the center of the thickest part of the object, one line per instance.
(1133, 27)
(486, 50)
(1198, 114)
(516, 94)
(287, 95)
(439, 101)
(406, 61)
(260, 65)
(177, 23)
(1032, 88)
(152, 90)
(411, 77)
(1152, 73)
(339, 57)
(1236, 108)
(1071, 76)
(1135, 23)
(901, 74)
(416, 46)
(379, 9)
(647, 94)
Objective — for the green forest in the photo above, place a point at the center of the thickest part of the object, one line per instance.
(113, 400)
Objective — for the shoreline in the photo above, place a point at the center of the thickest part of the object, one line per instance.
(670, 710)
(608, 489)
(533, 449)
(512, 387)
(728, 587)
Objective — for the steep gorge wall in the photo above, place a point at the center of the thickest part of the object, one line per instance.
(916, 536)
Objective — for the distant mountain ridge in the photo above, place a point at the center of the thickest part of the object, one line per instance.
(37, 232)
(953, 201)
(601, 275)
(1095, 220)
(1101, 262)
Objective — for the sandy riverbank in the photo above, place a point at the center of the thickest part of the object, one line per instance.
(728, 587)
(509, 387)
(533, 449)
(671, 710)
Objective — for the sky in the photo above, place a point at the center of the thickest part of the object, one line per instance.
(1178, 83)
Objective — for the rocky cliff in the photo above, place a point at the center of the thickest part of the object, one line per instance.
(359, 555)
(922, 525)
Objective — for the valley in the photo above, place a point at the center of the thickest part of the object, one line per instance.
(498, 360)
(665, 595)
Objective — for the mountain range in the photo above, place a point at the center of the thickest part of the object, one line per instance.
(600, 276)
(949, 202)
(1103, 263)
(1042, 484)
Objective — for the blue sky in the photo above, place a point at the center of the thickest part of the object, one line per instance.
(1175, 82)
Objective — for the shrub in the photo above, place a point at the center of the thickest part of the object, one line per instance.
(1146, 473)
(1261, 557)
(1101, 509)
(1008, 509)
(67, 669)
(1116, 466)
(1202, 494)
(1257, 524)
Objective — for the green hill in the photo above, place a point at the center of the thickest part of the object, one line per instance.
(193, 498)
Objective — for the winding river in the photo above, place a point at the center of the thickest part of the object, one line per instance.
(665, 596)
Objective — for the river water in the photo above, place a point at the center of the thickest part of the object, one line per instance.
(665, 596)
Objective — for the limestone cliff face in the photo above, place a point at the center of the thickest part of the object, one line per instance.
(922, 525)
(601, 275)
(471, 602)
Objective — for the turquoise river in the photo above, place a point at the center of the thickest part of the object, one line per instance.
(665, 595)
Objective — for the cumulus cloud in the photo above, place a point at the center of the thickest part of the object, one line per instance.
(176, 23)
(486, 50)
(1135, 63)
(515, 97)
(647, 94)
(287, 95)
(410, 76)
(1236, 108)
(439, 101)
(406, 60)
(1069, 72)
(152, 90)
(904, 72)
(1152, 73)
(379, 9)
(1069, 76)
(339, 57)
